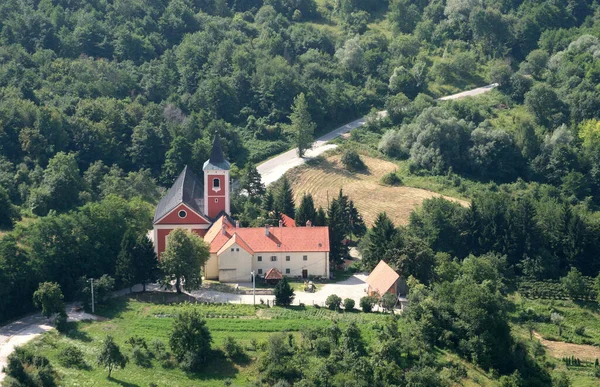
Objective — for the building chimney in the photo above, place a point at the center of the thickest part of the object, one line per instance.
(223, 230)
(237, 224)
(281, 223)
(267, 230)
(308, 223)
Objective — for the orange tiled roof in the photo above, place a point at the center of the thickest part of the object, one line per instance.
(273, 274)
(382, 278)
(287, 221)
(280, 239)
(236, 239)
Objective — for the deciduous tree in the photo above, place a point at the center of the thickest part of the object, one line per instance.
(302, 127)
(183, 260)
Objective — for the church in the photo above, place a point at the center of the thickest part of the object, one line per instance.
(202, 205)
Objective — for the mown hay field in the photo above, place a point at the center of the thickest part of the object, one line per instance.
(324, 180)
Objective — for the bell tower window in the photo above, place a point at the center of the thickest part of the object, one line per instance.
(216, 184)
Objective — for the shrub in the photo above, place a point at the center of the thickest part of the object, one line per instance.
(231, 348)
(140, 357)
(333, 302)
(159, 349)
(71, 357)
(352, 161)
(392, 179)
(366, 303)
(388, 301)
(190, 339)
(580, 330)
(136, 341)
(284, 294)
(349, 304)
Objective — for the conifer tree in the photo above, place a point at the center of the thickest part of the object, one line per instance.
(145, 261)
(125, 267)
(320, 218)
(284, 198)
(377, 241)
(337, 234)
(251, 181)
(306, 211)
(302, 126)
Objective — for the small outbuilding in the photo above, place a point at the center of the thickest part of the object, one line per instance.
(383, 279)
(273, 276)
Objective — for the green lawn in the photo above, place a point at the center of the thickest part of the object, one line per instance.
(128, 317)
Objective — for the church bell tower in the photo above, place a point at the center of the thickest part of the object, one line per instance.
(216, 182)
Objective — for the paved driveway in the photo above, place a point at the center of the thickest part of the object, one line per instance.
(354, 287)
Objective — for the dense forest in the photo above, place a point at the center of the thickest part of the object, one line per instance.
(102, 103)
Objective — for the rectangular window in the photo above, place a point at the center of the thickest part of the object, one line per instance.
(287, 271)
(259, 271)
(287, 258)
(305, 257)
(216, 183)
(232, 249)
(237, 249)
(259, 258)
(273, 258)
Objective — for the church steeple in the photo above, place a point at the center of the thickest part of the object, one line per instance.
(217, 158)
(216, 181)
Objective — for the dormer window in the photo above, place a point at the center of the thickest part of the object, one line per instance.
(216, 185)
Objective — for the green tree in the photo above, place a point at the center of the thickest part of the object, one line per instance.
(8, 212)
(136, 262)
(377, 242)
(306, 211)
(60, 187)
(574, 284)
(366, 303)
(124, 270)
(388, 301)
(284, 294)
(110, 355)
(251, 182)
(302, 127)
(190, 336)
(283, 201)
(183, 260)
(544, 103)
(349, 304)
(49, 298)
(333, 302)
(352, 161)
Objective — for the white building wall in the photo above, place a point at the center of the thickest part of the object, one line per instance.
(316, 263)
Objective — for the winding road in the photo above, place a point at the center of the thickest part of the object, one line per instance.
(272, 169)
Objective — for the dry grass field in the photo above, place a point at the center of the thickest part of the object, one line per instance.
(324, 181)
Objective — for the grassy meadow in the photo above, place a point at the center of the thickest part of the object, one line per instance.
(142, 317)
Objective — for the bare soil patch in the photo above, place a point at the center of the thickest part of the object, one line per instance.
(559, 349)
(371, 197)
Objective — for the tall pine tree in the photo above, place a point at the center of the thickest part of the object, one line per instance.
(302, 126)
(377, 241)
(337, 231)
(320, 218)
(251, 181)
(306, 211)
(145, 261)
(284, 198)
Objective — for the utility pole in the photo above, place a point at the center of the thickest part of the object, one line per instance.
(253, 288)
(92, 282)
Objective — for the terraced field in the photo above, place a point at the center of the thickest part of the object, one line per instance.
(324, 181)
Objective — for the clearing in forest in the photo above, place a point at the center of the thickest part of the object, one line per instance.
(324, 180)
